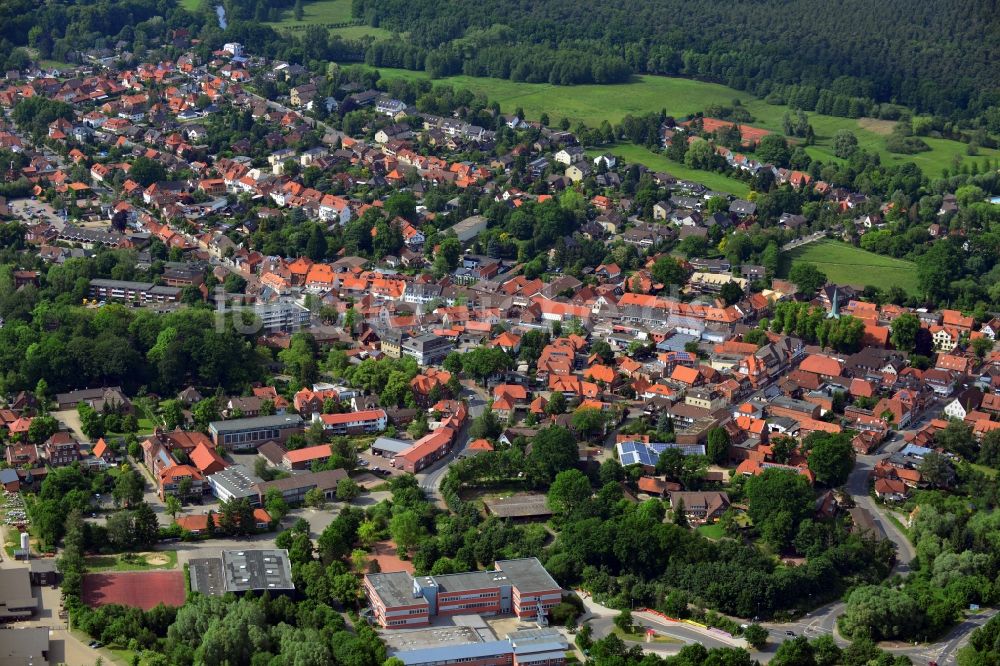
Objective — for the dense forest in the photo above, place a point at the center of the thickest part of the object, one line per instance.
(938, 58)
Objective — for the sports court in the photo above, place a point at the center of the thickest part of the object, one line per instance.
(139, 589)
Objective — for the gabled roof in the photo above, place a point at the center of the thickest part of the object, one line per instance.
(309, 453)
(684, 374)
(205, 458)
(821, 364)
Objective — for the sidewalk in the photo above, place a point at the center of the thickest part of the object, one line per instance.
(697, 627)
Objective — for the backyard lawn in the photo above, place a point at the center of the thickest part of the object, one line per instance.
(713, 531)
(846, 264)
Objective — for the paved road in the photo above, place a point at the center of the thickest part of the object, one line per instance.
(431, 478)
(601, 621)
(857, 486)
(823, 620)
(271, 104)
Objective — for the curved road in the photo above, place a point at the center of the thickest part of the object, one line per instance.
(823, 620)
(601, 621)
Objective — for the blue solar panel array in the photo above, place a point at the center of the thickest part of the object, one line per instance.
(638, 453)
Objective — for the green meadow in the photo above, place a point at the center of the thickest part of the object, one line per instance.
(846, 264)
(593, 104)
(325, 12)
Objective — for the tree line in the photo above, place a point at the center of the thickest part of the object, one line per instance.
(928, 65)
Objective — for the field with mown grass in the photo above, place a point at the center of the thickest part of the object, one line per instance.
(846, 264)
(325, 12)
(593, 104)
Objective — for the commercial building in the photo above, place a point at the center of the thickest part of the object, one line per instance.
(239, 571)
(427, 349)
(295, 487)
(235, 482)
(521, 587)
(352, 423)
(16, 602)
(137, 292)
(426, 450)
(527, 647)
(244, 434)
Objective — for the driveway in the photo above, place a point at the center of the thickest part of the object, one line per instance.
(71, 419)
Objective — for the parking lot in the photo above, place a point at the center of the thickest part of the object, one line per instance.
(15, 515)
(39, 211)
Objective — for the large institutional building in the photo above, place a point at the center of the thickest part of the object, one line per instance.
(520, 587)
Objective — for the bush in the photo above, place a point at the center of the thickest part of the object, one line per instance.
(905, 145)
(564, 612)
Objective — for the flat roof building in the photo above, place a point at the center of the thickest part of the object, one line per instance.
(238, 571)
(24, 646)
(536, 647)
(249, 433)
(257, 571)
(206, 576)
(123, 290)
(388, 447)
(526, 506)
(522, 587)
(16, 602)
(427, 348)
(470, 227)
(236, 482)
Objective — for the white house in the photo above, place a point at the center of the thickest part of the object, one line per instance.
(334, 209)
(608, 159)
(569, 155)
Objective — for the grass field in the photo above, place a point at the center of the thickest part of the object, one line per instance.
(713, 531)
(846, 264)
(983, 469)
(190, 5)
(166, 559)
(658, 162)
(592, 104)
(324, 12)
